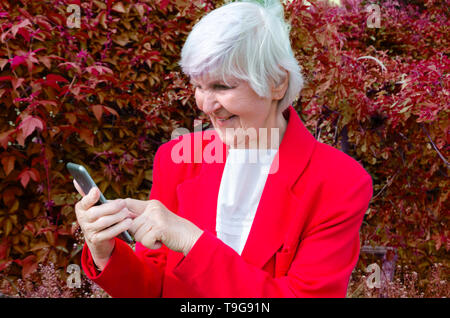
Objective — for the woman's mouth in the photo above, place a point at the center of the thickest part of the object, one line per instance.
(224, 121)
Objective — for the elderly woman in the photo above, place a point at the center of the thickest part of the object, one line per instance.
(285, 225)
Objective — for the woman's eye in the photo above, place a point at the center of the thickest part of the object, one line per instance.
(219, 86)
(215, 86)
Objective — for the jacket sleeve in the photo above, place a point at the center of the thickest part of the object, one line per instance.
(321, 267)
(136, 273)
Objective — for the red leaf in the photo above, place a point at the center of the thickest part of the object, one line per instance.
(17, 27)
(163, 4)
(29, 265)
(6, 78)
(56, 78)
(8, 164)
(26, 174)
(5, 137)
(42, 22)
(19, 138)
(25, 34)
(118, 7)
(17, 60)
(48, 102)
(71, 117)
(29, 124)
(98, 111)
(98, 69)
(34, 174)
(24, 178)
(3, 62)
(70, 65)
(26, 14)
(111, 110)
(56, 18)
(16, 82)
(87, 136)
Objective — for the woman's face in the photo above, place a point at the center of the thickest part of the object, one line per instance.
(237, 106)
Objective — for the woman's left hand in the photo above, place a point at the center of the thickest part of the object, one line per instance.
(154, 225)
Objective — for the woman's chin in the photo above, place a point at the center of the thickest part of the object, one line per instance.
(233, 141)
(226, 140)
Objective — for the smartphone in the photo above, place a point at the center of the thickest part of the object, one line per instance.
(85, 181)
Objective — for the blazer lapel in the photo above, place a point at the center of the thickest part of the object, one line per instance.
(278, 203)
(198, 196)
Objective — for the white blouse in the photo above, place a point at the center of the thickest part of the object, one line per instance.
(244, 176)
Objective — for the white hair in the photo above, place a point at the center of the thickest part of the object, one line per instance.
(247, 41)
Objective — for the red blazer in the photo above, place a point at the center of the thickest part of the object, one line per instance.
(304, 241)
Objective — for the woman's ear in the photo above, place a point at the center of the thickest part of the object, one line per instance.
(278, 91)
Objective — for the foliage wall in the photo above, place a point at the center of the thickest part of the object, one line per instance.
(106, 94)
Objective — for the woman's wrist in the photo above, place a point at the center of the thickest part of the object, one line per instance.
(100, 264)
(99, 259)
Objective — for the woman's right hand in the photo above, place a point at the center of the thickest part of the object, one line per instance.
(101, 224)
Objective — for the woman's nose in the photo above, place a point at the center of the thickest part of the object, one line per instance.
(210, 103)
